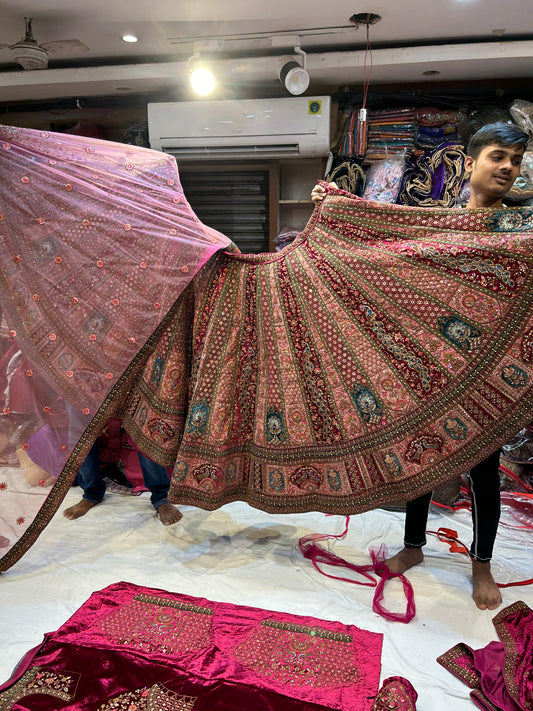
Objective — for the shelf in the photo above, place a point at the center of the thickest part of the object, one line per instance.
(295, 202)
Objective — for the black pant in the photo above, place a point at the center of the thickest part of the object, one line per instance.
(485, 486)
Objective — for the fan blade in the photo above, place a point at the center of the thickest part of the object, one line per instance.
(66, 47)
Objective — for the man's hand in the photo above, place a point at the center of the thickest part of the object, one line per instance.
(318, 193)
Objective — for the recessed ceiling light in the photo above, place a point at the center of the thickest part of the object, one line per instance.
(431, 73)
(130, 38)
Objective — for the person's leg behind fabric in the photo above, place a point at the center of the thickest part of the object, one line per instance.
(157, 481)
(416, 517)
(485, 487)
(92, 483)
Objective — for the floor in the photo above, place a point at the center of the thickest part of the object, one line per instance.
(240, 555)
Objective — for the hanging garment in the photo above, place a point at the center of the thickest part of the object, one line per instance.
(434, 178)
(97, 242)
(386, 350)
(131, 647)
(500, 674)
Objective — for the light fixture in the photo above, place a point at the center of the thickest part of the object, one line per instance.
(202, 78)
(294, 76)
(130, 38)
(202, 81)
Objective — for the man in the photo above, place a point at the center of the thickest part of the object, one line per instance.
(494, 157)
(155, 478)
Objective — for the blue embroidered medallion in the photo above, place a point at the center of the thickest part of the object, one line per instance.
(461, 334)
(455, 428)
(514, 376)
(367, 404)
(198, 417)
(277, 480)
(275, 431)
(510, 220)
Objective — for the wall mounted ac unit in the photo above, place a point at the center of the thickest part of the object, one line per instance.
(251, 128)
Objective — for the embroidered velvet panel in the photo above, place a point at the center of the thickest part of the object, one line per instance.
(130, 647)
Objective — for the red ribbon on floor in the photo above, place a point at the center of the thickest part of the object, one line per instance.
(320, 556)
(449, 536)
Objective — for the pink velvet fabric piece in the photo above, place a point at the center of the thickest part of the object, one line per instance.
(500, 673)
(396, 694)
(225, 656)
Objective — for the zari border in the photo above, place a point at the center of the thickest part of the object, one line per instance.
(312, 631)
(164, 602)
(480, 700)
(19, 690)
(512, 655)
(467, 674)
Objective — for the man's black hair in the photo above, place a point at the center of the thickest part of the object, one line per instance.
(501, 134)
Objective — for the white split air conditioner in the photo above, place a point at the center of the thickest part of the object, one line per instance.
(251, 128)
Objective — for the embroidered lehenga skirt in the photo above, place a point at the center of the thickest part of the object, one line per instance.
(386, 350)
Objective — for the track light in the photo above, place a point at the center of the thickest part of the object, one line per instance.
(294, 76)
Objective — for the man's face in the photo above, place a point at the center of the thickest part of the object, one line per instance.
(495, 169)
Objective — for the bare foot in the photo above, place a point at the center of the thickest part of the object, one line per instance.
(168, 514)
(486, 593)
(79, 509)
(404, 559)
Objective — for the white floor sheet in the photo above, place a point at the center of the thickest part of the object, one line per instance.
(243, 556)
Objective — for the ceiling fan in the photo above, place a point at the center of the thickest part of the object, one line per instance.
(31, 55)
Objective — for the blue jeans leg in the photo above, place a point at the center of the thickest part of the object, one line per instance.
(89, 477)
(156, 480)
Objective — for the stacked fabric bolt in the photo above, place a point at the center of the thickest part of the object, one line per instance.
(434, 126)
(347, 137)
(390, 132)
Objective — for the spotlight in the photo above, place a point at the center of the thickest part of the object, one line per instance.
(202, 81)
(294, 77)
(202, 78)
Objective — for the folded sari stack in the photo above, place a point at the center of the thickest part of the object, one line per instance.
(434, 126)
(390, 132)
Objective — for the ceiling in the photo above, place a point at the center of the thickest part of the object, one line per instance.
(458, 39)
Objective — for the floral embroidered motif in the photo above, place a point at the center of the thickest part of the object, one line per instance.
(514, 376)
(275, 432)
(392, 464)
(510, 220)
(159, 429)
(298, 655)
(198, 418)
(422, 448)
(157, 371)
(276, 480)
(455, 428)
(180, 470)
(159, 625)
(366, 404)
(40, 680)
(209, 476)
(231, 471)
(154, 698)
(460, 333)
(306, 478)
(334, 479)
